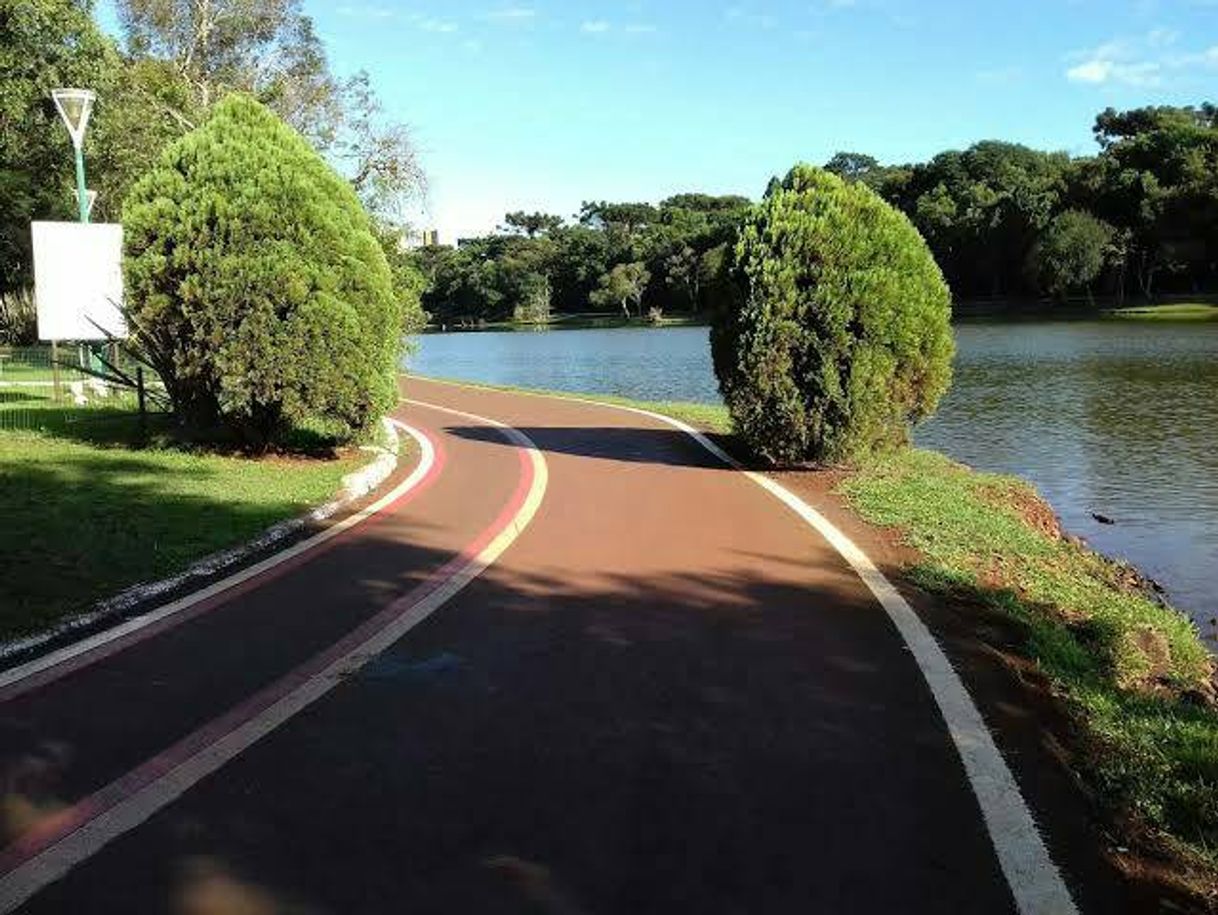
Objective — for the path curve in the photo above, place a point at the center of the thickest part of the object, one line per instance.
(670, 694)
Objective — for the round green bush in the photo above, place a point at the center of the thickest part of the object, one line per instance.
(256, 286)
(838, 337)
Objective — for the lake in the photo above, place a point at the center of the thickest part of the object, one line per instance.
(1109, 417)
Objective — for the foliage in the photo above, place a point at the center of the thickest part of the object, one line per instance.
(840, 337)
(622, 286)
(408, 281)
(44, 44)
(255, 283)
(1070, 253)
(678, 243)
(271, 51)
(178, 58)
(18, 318)
(532, 224)
(985, 210)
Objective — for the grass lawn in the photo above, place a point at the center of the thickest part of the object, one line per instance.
(87, 513)
(1132, 672)
(1180, 311)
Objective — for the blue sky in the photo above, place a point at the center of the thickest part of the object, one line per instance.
(539, 104)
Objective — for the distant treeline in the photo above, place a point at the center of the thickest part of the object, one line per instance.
(1138, 219)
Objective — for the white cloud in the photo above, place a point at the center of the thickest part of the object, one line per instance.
(365, 11)
(594, 26)
(512, 14)
(1150, 60)
(739, 15)
(427, 24)
(640, 28)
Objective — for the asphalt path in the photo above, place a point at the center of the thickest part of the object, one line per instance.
(576, 664)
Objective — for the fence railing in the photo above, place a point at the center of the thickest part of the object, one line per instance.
(45, 389)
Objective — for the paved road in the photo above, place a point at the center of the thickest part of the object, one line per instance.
(666, 694)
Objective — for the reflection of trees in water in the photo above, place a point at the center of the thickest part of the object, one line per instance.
(1116, 418)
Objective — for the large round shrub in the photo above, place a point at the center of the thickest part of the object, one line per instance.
(838, 336)
(256, 285)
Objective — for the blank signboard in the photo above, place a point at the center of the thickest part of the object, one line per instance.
(78, 280)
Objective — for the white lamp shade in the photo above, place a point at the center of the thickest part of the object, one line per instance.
(75, 106)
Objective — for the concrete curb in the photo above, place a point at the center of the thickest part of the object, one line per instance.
(355, 485)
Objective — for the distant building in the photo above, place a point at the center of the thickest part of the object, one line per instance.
(420, 238)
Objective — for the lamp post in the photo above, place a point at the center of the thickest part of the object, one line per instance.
(75, 106)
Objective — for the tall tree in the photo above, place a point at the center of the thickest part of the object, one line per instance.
(269, 49)
(532, 224)
(621, 286)
(1070, 253)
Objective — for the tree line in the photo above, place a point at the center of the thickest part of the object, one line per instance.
(172, 62)
(627, 258)
(1004, 221)
(1140, 217)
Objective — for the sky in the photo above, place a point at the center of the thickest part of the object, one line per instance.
(541, 104)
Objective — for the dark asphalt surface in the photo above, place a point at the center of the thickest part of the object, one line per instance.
(667, 696)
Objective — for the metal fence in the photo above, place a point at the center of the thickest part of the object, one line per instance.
(54, 389)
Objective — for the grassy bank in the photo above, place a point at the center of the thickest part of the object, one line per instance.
(1178, 311)
(1133, 674)
(87, 512)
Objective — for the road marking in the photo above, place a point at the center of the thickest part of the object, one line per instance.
(46, 669)
(1036, 884)
(35, 861)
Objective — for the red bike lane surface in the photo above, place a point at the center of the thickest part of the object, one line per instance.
(667, 695)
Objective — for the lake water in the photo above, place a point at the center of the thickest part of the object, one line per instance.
(1114, 418)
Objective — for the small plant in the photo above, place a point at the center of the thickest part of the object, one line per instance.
(836, 337)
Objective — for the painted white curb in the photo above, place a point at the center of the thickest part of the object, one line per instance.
(355, 485)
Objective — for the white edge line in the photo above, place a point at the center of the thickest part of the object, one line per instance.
(1035, 882)
(22, 882)
(427, 459)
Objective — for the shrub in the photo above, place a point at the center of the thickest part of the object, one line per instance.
(837, 336)
(256, 286)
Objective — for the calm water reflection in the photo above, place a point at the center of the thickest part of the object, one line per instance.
(1115, 418)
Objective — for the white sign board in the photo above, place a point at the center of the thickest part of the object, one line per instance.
(78, 280)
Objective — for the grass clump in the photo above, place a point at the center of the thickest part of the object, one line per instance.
(1134, 672)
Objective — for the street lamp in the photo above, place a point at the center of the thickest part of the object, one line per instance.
(75, 106)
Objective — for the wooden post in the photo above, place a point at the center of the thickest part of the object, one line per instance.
(139, 390)
(55, 370)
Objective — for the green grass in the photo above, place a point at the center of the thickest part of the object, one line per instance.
(86, 513)
(1180, 311)
(1128, 669)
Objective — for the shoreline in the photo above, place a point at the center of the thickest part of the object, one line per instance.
(1184, 309)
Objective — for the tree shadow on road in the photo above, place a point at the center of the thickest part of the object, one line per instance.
(611, 443)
